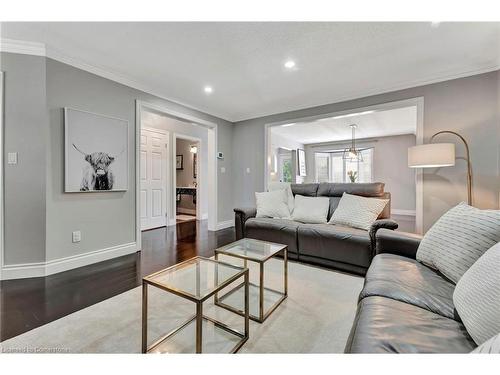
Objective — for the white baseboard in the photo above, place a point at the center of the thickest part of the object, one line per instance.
(225, 224)
(23, 271)
(26, 270)
(399, 212)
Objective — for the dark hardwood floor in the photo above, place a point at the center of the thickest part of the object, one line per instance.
(30, 303)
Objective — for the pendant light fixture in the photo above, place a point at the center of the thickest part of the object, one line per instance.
(352, 154)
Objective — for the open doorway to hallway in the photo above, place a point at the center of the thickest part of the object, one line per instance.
(175, 178)
(188, 151)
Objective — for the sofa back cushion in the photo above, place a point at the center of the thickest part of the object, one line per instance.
(306, 190)
(334, 191)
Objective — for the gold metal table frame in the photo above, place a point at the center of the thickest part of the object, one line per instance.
(263, 315)
(198, 316)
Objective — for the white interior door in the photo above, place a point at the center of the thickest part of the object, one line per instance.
(153, 179)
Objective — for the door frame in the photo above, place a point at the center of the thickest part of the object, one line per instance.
(418, 102)
(141, 106)
(2, 170)
(198, 180)
(165, 133)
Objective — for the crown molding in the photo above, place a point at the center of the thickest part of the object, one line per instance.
(40, 49)
(23, 47)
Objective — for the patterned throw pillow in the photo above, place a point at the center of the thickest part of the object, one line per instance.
(357, 212)
(477, 296)
(492, 346)
(458, 239)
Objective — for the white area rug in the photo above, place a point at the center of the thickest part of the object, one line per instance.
(315, 318)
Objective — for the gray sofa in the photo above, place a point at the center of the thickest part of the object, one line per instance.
(406, 307)
(336, 246)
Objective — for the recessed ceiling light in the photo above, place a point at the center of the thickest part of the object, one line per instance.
(208, 89)
(286, 125)
(290, 64)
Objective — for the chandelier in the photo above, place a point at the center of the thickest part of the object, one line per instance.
(352, 154)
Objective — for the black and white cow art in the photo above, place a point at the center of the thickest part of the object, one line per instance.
(97, 174)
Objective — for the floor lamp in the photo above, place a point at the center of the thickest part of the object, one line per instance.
(434, 155)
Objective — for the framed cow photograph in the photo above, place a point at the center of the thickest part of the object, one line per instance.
(96, 152)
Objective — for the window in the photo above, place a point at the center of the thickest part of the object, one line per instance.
(331, 167)
(285, 168)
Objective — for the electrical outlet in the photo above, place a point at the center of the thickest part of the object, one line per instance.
(77, 236)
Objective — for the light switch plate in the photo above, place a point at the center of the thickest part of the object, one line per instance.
(12, 158)
(77, 236)
(248, 170)
(222, 169)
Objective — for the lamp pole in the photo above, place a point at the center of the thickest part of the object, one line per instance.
(467, 155)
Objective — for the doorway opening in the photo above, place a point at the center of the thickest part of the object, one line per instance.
(187, 176)
(157, 200)
(312, 150)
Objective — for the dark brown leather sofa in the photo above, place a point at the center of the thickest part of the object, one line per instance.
(405, 307)
(336, 246)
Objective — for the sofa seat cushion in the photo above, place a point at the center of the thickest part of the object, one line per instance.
(384, 325)
(281, 231)
(409, 281)
(335, 242)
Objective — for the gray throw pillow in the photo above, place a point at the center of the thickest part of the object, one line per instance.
(492, 346)
(458, 239)
(477, 296)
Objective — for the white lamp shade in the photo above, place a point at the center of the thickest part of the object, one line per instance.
(431, 155)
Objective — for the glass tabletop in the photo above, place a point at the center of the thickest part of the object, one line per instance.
(248, 248)
(195, 278)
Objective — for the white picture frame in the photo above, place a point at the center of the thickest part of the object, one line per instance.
(301, 162)
(96, 152)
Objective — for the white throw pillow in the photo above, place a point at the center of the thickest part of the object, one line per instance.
(272, 204)
(273, 186)
(357, 212)
(492, 346)
(311, 210)
(477, 296)
(458, 239)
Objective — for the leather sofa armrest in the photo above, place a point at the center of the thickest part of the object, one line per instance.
(380, 224)
(399, 243)
(241, 215)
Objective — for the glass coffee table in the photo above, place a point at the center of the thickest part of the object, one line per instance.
(196, 280)
(263, 300)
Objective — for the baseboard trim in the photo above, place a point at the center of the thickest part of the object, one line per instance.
(403, 212)
(41, 269)
(23, 270)
(225, 224)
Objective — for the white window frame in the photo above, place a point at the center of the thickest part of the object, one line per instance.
(330, 164)
(281, 159)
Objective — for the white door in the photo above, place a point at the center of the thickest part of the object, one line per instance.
(153, 179)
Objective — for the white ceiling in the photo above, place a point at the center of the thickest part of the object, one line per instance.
(243, 62)
(377, 124)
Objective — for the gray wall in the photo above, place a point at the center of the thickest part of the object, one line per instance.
(26, 125)
(390, 165)
(468, 105)
(36, 91)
